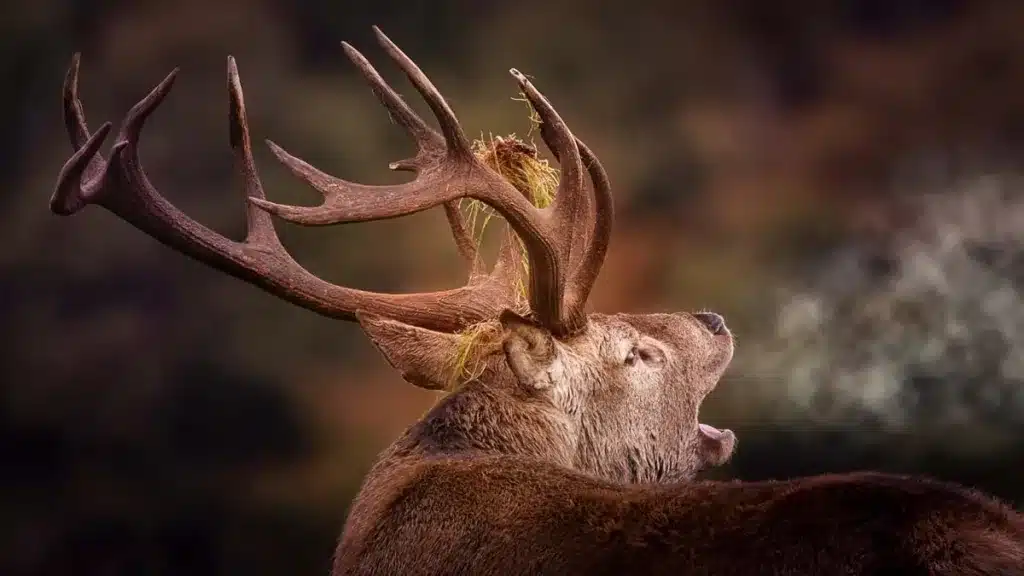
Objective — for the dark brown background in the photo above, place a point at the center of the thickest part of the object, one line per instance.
(159, 418)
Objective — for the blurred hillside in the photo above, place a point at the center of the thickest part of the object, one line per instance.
(838, 177)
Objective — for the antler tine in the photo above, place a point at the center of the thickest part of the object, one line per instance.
(584, 246)
(403, 114)
(444, 174)
(74, 117)
(561, 142)
(452, 172)
(463, 238)
(456, 139)
(121, 186)
(592, 241)
(601, 217)
(86, 176)
(425, 137)
(430, 144)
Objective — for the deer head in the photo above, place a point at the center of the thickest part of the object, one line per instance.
(623, 391)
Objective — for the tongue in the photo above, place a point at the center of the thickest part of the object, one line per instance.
(710, 431)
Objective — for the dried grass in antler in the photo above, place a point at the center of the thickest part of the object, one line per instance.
(520, 164)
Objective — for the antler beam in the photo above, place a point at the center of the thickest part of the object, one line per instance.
(446, 171)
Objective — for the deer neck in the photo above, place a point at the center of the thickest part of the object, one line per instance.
(493, 416)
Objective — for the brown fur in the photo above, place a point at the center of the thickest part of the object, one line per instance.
(512, 515)
(493, 480)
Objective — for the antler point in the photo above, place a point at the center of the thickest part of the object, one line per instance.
(275, 148)
(71, 78)
(383, 38)
(273, 208)
(263, 204)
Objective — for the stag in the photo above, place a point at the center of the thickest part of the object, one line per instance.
(573, 447)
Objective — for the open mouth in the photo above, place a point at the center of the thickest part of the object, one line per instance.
(716, 445)
(710, 431)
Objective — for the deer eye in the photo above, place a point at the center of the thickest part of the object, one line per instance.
(632, 356)
(649, 355)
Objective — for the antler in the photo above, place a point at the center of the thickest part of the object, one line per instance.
(447, 170)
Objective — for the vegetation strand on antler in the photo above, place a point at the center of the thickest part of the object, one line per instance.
(518, 162)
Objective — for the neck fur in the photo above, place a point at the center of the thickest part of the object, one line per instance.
(492, 415)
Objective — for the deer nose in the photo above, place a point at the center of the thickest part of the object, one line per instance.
(713, 321)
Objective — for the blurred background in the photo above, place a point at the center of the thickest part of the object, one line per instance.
(839, 178)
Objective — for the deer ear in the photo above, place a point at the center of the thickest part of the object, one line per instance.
(531, 352)
(420, 355)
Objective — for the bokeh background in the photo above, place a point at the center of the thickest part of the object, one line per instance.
(840, 178)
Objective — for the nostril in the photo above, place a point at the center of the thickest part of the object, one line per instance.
(713, 321)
